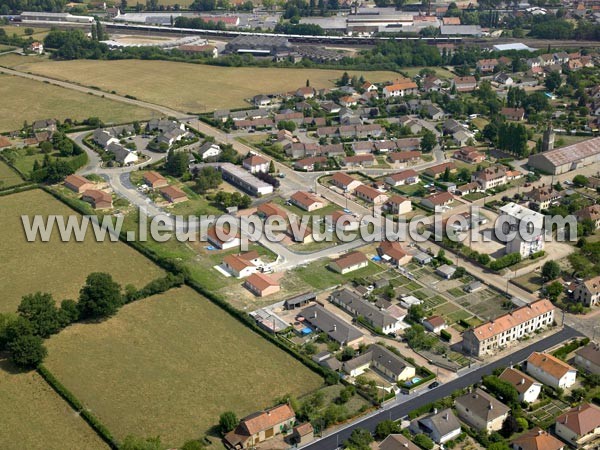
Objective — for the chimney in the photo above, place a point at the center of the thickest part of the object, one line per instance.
(491, 406)
(435, 411)
(446, 417)
(540, 432)
(334, 327)
(522, 380)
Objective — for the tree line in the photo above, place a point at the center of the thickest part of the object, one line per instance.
(38, 317)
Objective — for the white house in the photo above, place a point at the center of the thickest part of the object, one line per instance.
(529, 390)
(551, 370)
(242, 265)
(255, 164)
(209, 150)
(579, 425)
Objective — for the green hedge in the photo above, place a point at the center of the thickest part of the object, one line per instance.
(445, 335)
(17, 189)
(68, 396)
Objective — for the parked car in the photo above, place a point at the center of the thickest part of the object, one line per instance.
(434, 385)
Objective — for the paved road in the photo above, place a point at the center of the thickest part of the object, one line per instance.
(395, 412)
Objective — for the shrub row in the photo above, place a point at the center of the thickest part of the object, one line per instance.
(19, 188)
(68, 396)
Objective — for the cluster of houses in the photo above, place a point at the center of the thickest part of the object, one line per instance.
(157, 182)
(90, 193)
(109, 139)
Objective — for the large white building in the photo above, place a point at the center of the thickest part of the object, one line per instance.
(488, 338)
(527, 227)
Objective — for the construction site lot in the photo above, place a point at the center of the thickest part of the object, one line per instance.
(29, 100)
(34, 416)
(187, 361)
(57, 267)
(189, 87)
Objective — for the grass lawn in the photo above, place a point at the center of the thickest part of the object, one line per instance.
(474, 196)
(439, 71)
(480, 123)
(33, 416)
(38, 33)
(187, 362)
(56, 267)
(319, 276)
(531, 282)
(8, 177)
(31, 100)
(190, 87)
(24, 158)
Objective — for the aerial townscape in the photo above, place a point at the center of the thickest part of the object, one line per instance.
(315, 224)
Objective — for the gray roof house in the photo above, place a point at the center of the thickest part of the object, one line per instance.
(327, 322)
(441, 426)
(481, 411)
(359, 307)
(445, 271)
(381, 359)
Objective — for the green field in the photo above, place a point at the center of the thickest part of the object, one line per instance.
(189, 87)
(57, 267)
(29, 100)
(318, 276)
(33, 416)
(169, 365)
(8, 177)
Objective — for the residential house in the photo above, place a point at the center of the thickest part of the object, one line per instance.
(402, 159)
(400, 88)
(469, 155)
(383, 361)
(370, 195)
(349, 262)
(209, 150)
(358, 161)
(486, 65)
(259, 427)
(579, 425)
(384, 146)
(310, 164)
(337, 329)
(373, 315)
(98, 199)
(588, 292)
(439, 169)
(261, 285)
(433, 112)
(396, 442)
(345, 182)
(551, 370)
(441, 426)
(432, 84)
(155, 180)
(362, 147)
(529, 389)
(588, 358)
(103, 138)
(393, 252)
(543, 196)
(490, 177)
(408, 144)
(46, 124)
(256, 163)
(435, 324)
(464, 84)
(462, 138)
(481, 411)
(173, 194)
(305, 92)
(529, 243)
(397, 204)
(222, 239)
(496, 334)
(306, 201)
(441, 200)
(467, 188)
(36, 47)
(242, 265)
(78, 183)
(504, 79)
(537, 439)
(515, 114)
(406, 177)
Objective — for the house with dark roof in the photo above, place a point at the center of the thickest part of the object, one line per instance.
(382, 360)
(441, 426)
(588, 358)
(481, 411)
(588, 292)
(337, 329)
(359, 307)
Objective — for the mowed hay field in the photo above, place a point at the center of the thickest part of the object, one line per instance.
(23, 99)
(8, 177)
(169, 365)
(190, 87)
(33, 416)
(57, 267)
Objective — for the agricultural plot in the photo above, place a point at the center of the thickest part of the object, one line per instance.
(29, 100)
(190, 87)
(486, 304)
(187, 362)
(8, 177)
(59, 268)
(547, 413)
(34, 416)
